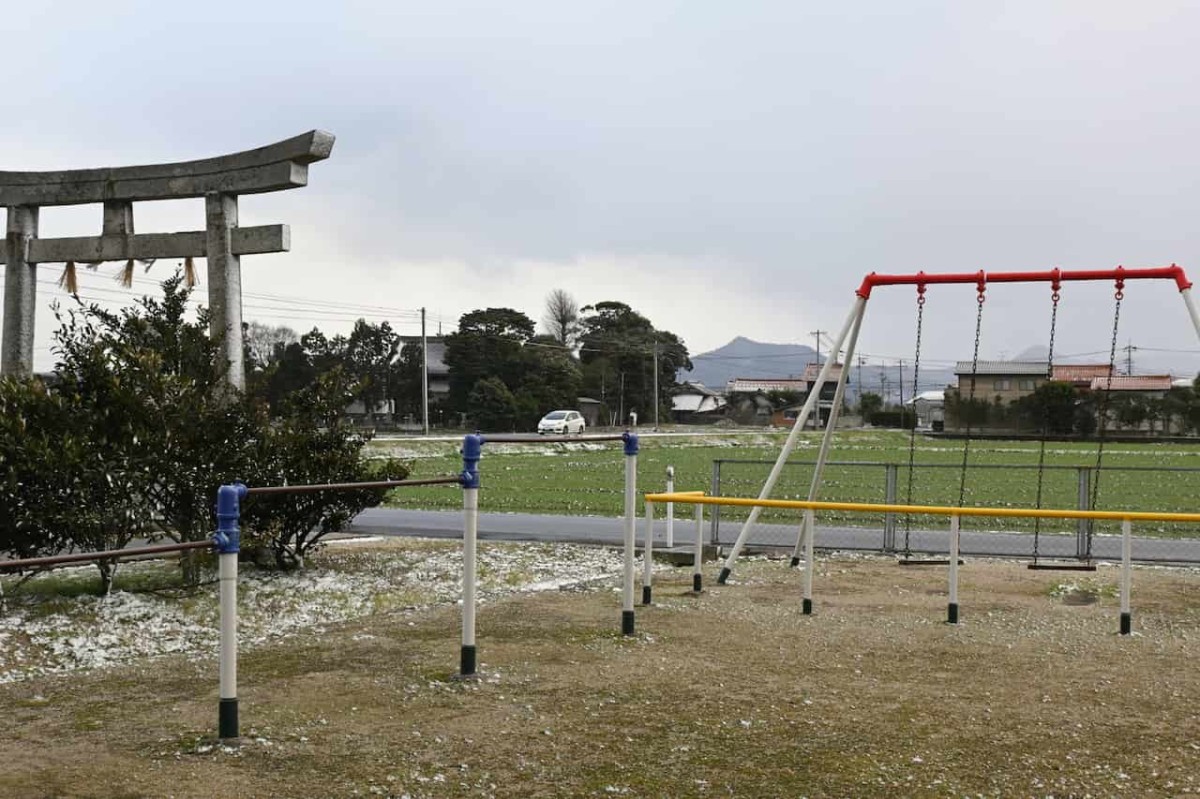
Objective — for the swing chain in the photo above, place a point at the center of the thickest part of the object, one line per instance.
(912, 434)
(1037, 521)
(980, 288)
(1118, 295)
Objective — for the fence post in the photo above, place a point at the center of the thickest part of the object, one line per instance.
(1083, 527)
(809, 566)
(648, 556)
(227, 541)
(715, 514)
(1126, 575)
(670, 508)
(889, 497)
(631, 453)
(952, 608)
(472, 451)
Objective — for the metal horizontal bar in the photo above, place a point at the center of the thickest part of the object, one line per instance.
(900, 465)
(804, 463)
(548, 439)
(934, 510)
(982, 277)
(376, 484)
(83, 557)
(191, 244)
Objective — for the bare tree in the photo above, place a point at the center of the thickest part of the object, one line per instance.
(562, 317)
(261, 340)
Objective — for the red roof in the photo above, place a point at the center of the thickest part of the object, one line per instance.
(1081, 372)
(1132, 383)
(813, 369)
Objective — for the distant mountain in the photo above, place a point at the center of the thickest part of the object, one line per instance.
(1038, 352)
(745, 358)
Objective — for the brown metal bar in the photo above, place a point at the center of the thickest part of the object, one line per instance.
(83, 557)
(305, 489)
(547, 439)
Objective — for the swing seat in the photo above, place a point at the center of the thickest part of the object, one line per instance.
(1063, 566)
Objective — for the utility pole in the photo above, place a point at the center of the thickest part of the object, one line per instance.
(621, 406)
(860, 365)
(1129, 348)
(901, 371)
(816, 417)
(656, 386)
(424, 376)
(816, 334)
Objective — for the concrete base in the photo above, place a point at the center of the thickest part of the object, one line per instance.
(684, 555)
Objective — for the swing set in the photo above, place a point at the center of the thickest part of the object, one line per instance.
(848, 338)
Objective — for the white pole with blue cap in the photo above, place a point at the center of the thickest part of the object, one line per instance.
(472, 451)
(227, 540)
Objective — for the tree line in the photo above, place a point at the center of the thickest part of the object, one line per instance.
(503, 374)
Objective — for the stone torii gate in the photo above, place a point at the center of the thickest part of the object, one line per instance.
(283, 165)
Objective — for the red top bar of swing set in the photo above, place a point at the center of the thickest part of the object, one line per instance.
(1054, 276)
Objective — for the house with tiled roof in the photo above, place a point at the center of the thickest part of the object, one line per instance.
(755, 385)
(748, 394)
(1002, 381)
(696, 402)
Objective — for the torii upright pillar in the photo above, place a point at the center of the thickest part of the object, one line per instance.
(220, 180)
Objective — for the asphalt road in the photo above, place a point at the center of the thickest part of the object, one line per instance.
(609, 531)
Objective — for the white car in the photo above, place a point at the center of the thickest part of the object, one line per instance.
(562, 423)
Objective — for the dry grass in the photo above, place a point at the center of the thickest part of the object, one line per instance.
(732, 693)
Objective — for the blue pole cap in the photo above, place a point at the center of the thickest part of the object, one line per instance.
(472, 451)
(227, 538)
(631, 442)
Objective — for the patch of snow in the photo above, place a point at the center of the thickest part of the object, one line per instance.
(88, 632)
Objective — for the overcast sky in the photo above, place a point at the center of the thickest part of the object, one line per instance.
(724, 168)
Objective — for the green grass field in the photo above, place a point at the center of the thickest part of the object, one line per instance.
(586, 479)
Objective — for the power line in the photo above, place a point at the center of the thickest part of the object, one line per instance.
(292, 302)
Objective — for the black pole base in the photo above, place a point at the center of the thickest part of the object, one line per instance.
(807, 607)
(1126, 623)
(723, 576)
(697, 583)
(227, 720)
(646, 590)
(795, 562)
(627, 622)
(466, 666)
(952, 613)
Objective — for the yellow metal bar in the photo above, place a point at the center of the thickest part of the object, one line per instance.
(936, 510)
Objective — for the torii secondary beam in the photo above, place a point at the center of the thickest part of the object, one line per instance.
(192, 244)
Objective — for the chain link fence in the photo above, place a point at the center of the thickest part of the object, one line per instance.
(1161, 489)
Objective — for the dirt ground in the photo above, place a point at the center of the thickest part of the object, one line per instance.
(730, 693)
